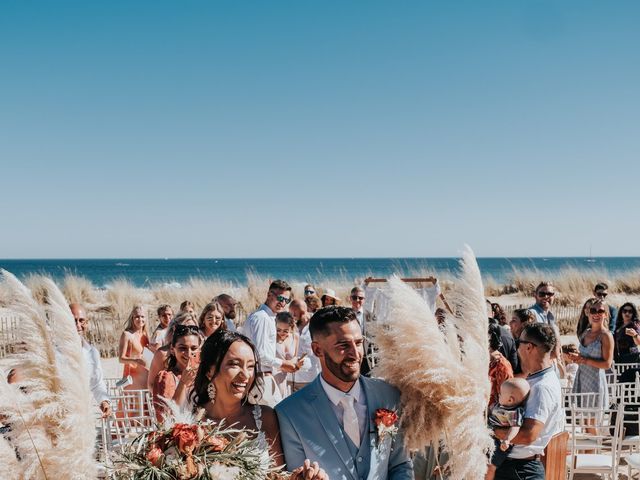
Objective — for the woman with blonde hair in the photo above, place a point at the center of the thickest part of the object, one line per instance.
(583, 319)
(313, 303)
(132, 343)
(211, 319)
(596, 355)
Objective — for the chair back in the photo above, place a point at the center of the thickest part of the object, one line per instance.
(133, 415)
(596, 436)
(555, 457)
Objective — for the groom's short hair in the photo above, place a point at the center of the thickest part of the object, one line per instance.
(319, 323)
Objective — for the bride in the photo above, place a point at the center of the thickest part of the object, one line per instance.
(228, 372)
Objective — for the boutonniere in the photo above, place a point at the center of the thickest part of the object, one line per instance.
(386, 423)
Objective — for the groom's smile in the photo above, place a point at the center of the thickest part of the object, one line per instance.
(340, 352)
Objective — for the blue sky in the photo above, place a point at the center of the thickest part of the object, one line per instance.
(275, 129)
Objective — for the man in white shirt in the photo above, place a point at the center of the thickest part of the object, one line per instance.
(228, 304)
(357, 298)
(311, 365)
(260, 327)
(92, 360)
(544, 412)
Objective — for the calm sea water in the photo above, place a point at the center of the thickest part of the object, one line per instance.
(149, 272)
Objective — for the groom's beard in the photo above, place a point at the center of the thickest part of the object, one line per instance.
(341, 371)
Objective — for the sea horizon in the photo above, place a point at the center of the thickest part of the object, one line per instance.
(150, 272)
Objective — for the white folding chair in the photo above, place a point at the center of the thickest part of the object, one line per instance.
(133, 415)
(596, 435)
(620, 368)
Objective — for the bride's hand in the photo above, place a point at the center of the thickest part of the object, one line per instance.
(309, 471)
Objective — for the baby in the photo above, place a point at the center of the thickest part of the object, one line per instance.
(509, 413)
(570, 367)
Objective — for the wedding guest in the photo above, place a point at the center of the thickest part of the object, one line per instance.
(159, 361)
(583, 319)
(601, 292)
(329, 298)
(544, 413)
(286, 347)
(260, 328)
(507, 342)
(499, 314)
(570, 367)
(596, 356)
(229, 305)
(187, 307)
(544, 295)
(626, 335)
(92, 361)
(499, 367)
(520, 318)
(132, 343)
(330, 421)
(357, 297)
(165, 314)
(176, 380)
(228, 373)
(313, 303)
(211, 319)
(311, 365)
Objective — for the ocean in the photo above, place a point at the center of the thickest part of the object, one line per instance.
(153, 272)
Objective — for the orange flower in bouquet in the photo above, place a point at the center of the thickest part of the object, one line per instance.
(185, 437)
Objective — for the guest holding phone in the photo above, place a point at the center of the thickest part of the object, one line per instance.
(175, 382)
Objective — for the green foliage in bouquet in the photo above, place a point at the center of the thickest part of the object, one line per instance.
(200, 451)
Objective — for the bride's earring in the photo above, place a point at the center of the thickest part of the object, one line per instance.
(211, 391)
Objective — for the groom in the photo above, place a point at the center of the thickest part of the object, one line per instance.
(332, 420)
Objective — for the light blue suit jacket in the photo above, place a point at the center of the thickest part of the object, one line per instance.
(309, 429)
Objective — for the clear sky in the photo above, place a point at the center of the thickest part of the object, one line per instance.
(326, 128)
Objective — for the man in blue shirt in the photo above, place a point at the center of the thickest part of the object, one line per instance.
(600, 291)
(544, 294)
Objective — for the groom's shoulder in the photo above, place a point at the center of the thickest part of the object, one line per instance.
(382, 387)
(295, 401)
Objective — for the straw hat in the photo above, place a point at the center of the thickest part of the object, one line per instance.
(329, 293)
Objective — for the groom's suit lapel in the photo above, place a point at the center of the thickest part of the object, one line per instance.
(327, 418)
(373, 403)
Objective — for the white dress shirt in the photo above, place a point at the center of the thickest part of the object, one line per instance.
(311, 365)
(360, 406)
(230, 325)
(94, 369)
(260, 327)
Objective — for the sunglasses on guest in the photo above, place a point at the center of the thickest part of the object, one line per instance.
(524, 342)
(309, 292)
(627, 310)
(356, 297)
(596, 311)
(282, 299)
(545, 294)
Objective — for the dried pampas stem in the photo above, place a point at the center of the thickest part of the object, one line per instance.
(444, 388)
(53, 426)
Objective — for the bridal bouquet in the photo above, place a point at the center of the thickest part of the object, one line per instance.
(203, 450)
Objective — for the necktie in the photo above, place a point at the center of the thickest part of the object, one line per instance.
(350, 419)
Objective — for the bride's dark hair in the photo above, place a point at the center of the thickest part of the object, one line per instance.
(212, 353)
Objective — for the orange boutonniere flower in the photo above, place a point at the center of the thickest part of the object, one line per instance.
(386, 422)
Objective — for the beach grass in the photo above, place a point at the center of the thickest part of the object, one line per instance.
(111, 306)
